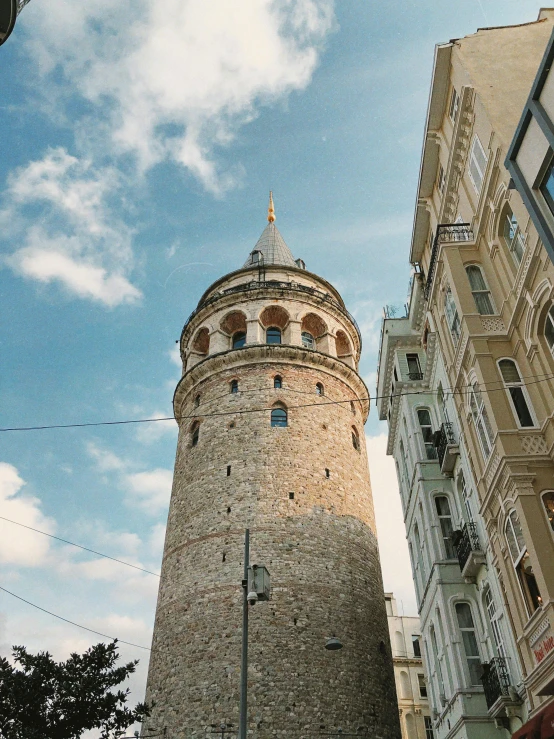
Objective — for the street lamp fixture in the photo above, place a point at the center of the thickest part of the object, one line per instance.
(333, 644)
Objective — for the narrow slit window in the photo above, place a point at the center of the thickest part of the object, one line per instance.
(278, 382)
(327, 473)
(355, 439)
(319, 389)
(234, 386)
(197, 401)
(516, 392)
(195, 434)
(228, 470)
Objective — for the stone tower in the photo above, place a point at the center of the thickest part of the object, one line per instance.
(271, 412)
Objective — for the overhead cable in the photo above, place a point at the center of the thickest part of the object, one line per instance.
(236, 412)
(86, 549)
(79, 626)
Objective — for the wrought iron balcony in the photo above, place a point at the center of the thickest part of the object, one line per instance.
(496, 680)
(415, 375)
(447, 448)
(446, 233)
(468, 549)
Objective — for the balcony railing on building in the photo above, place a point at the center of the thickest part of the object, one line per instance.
(496, 680)
(447, 448)
(447, 233)
(468, 549)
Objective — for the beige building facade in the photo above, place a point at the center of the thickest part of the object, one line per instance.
(482, 302)
(271, 412)
(409, 673)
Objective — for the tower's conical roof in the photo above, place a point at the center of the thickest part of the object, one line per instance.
(271, 245)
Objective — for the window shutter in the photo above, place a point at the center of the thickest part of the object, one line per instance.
(477, 164)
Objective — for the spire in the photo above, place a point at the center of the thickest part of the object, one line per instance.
(271, 247)
(271, 209)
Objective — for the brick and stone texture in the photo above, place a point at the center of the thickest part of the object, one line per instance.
(304, 493)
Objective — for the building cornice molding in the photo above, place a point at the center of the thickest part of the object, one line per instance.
(252, 354)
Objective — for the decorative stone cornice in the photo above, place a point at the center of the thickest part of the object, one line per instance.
(252, 354)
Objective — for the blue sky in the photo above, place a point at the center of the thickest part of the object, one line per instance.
(138, 151)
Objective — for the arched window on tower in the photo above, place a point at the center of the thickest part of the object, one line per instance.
(273, 335)
(319, 389)
(308, 340)
(234, 386)
(279, 417)
(239, 339)
(356, 439)
(194, 433)
(278, 382)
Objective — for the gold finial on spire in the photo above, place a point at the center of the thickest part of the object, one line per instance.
(271, 209)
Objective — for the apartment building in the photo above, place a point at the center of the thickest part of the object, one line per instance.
(409, 673)
(466, 384)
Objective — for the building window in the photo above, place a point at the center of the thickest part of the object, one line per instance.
(404, 464)
(548, 502)
(438, 667)
(522, 564)
(355, 440)
(452, 316)
(416, 645)
(428, 727)
(234, 386)
(194, 434)
(454, 105)
(422, 685)
(516, 392)
(277, 382)
(273, 335)
(308, 340)
(495, 622)
(479, 290)
(547, 186)
(445, 519)
(477, 164)
(279, 417)
(465, 493)
(414, 367)
(319, 389)
(424, 418)
(441, 179)
(480, 420)
(197, 401)
(549, 330)
(469, 640)
(239, 339)
(512, 236)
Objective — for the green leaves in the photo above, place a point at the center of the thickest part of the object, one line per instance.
(44, 699)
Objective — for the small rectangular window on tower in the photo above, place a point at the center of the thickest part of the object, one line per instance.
(228, 470)
(291, 496)
(327, 473)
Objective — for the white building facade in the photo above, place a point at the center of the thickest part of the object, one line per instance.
(416, 721)
(464, 625)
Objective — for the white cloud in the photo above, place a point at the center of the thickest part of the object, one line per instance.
(149, 433)
(106, 460)
(150, 490)
(77, 240)
(393, 548)
(179, 83)
(175, 356)
(19, 546)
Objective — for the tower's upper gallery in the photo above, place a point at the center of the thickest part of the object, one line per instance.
(271, 300)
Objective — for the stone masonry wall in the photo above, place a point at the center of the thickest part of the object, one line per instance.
(319, 547)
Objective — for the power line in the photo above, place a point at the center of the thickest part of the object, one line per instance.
(67, 621)
(245, 411)
(86, 549)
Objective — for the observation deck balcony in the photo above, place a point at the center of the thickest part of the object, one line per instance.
(447, 448)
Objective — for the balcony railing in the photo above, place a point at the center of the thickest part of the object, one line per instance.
(415, 375)
(444, 437)
(446, 233)
(496, 680)
(465, 542)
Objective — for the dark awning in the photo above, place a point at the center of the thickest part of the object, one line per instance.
(540, 726)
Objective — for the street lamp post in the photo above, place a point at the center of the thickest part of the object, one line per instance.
(255, 587)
